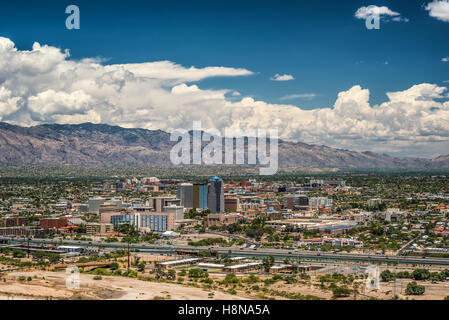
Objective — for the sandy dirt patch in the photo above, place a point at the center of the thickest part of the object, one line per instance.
(110, 287)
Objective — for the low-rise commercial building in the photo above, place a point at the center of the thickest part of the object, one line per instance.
(17, 231)
(220, 219)
(232, 204)
(296, 202)
(99, 228)
(330, 241)
(54, 223)
(13, 221)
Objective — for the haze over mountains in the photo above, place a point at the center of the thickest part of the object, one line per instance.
(105, 145)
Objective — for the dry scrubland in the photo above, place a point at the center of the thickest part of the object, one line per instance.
(41, 285)
(47, 284)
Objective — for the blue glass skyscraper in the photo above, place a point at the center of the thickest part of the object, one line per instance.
(215, 197)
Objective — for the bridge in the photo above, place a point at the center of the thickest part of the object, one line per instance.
(89, 265)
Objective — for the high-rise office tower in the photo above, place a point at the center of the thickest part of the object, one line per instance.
(200, 192)
(185, 194)
(215, 197)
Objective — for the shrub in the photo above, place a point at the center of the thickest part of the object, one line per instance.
(252, 279)
(130, 274)
(415, 289)
(340, 292)
(231, 278)
(387, 276)
(171, 274)
(18, 254)
(100, 271)
(232, 291)
(198, 273)
(421, 274)
(403, 275)
(114, 266)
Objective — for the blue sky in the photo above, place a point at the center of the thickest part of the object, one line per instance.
(320, 43)
(378, 90)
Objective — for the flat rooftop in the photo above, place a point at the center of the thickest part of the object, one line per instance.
(182, 261)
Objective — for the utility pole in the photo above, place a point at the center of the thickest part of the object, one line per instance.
(128, 255)
(394, 285)
(355, 291)
(28, 243)
(394, 288)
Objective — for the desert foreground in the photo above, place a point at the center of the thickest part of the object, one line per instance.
(52, 285)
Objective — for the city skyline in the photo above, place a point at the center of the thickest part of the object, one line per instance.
(239, 158)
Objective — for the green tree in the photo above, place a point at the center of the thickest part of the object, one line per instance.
(267, 263)
(415, 289)
(114, 266)
(171, 274)
(421, 274)
(387, 276)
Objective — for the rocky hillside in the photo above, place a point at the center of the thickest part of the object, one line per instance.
(99, 144)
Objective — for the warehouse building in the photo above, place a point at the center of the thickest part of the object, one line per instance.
(242, 267)
(181, 262)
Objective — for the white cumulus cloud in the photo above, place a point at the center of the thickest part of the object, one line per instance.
(44, 85)
(283, 77)
(439, 9)
(383, 12)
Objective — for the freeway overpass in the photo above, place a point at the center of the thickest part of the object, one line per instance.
(257, 252)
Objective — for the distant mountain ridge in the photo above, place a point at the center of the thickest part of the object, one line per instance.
(106, 145)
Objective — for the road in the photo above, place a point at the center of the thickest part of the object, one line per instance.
(257, 252)
(401, 250)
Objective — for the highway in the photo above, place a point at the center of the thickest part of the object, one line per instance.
(256, 252)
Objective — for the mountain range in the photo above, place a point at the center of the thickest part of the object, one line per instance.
(105, 145)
